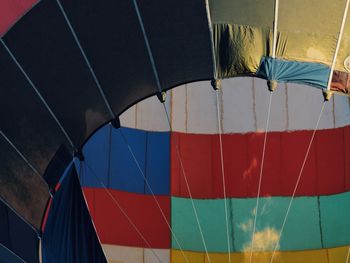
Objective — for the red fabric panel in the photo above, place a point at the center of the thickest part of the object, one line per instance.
(113, 227)
(11, 11)
(323, 174)
(346, 153)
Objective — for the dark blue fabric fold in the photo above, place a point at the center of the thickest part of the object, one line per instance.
(69, 235)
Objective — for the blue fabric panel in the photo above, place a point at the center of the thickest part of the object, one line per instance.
(158, 162)
(17, 236)
(314, 74)
(96, 154)
(69, 234)
(125, 174)
(109, 159)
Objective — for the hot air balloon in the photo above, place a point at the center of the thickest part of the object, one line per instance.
(174, 131)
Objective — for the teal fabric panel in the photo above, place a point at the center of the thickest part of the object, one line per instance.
(313, 74)
(211, 215)
(301, 230)
(335, 219)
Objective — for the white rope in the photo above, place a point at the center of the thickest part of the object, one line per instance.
(348, 255)
(156, 76)
(338, 43)
(148, 46)
(260, 177)
(123, 212)
(188, 187)
(153, 195)
(38, 93)
(275, 28)
(223, 173)
(86, 60)
(297, 183)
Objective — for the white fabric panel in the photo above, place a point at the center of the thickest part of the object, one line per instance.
(122, 254)
(201, 108)
(178, 108)
(278, 116)
(304, 105)
(192, 108)
(163, 255)
(128, 118)
(238, 112)
(341, 111)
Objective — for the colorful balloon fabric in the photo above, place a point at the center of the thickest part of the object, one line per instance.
(213, 97)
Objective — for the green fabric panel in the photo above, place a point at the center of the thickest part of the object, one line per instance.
(335, 219)
(301, 230)
(211, 215)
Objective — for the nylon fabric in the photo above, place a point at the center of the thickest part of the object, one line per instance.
(325, 172)
(243, 32)
(141, 209)
(11, 11)
(17, 236)
(312, 74)
(303, 221)
(69, 234)
(333, 255)
(109, 157)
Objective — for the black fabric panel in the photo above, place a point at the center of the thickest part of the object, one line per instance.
(17, 236)
(46, 49)
(57, 166)
(25, 242)
(4, 225)
(110, 34)
(180, 39)
(69, 234)
(7, 257)
(24, 118)
(20, 187)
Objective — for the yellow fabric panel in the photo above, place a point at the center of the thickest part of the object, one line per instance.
(177, 256)
(334, 255)
(307, 30)
(337, 254)
(242, 12)
(311, 29)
